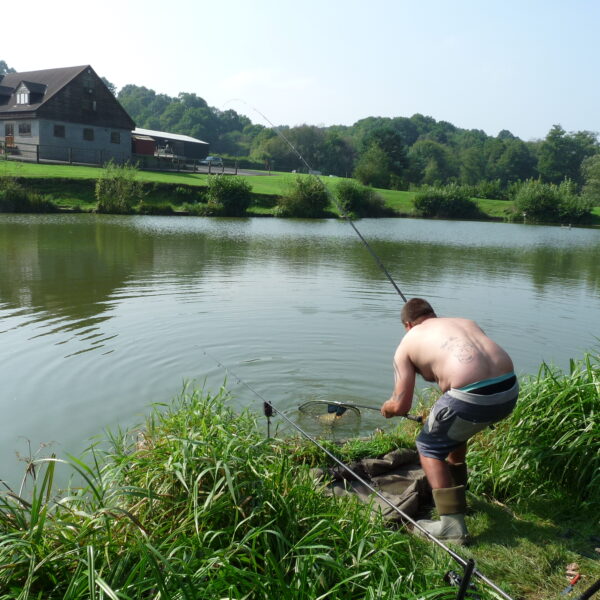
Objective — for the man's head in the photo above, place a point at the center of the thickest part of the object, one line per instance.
(415, 311)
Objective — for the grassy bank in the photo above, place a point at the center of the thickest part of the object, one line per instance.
(197, 503)
(72, 187)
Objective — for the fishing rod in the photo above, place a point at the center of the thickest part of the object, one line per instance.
(331, 197)
(467, 565)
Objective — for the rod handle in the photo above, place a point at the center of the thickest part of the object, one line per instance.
(417, 418)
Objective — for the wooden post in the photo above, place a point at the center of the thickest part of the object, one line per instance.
(37, 153)
(70, 155)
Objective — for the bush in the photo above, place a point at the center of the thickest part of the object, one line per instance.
(229, 195)
(306, 198)
(573, 207)
(451, 202)
(550, 203)
(15, 198)
(117, 191)
(356, 200)
(490, 190)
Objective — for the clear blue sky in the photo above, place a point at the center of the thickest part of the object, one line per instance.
(484, 64)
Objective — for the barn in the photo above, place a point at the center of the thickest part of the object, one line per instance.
(65, 114)
(169, 145)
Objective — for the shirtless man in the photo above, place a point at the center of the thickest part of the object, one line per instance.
(478, 388)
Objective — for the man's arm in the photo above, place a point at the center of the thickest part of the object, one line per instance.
(404, 385)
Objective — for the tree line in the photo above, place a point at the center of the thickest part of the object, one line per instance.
(395, 153)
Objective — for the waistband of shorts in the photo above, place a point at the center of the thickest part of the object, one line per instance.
(485, 382)
(498, 398)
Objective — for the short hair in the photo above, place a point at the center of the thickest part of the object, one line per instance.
(416, 308)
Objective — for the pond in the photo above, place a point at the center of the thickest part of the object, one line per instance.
(101, 316)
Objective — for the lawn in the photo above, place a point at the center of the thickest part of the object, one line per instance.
(275, 184)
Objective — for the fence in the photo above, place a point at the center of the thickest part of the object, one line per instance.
(61, 154)
(46, 153)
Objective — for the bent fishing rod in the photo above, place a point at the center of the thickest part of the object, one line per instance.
(270, 409)
(332, 198)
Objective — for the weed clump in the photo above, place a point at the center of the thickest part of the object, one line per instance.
(117, 190)
(356, 200)
(227, 196)
(449, 202)
(306, 198)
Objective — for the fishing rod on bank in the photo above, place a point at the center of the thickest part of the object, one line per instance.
(467, 565)
(331, 197)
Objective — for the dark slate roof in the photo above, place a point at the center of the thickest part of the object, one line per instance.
(47, 82)
(35, 88)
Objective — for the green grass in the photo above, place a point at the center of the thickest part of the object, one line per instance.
(79, 192)
(198, 504)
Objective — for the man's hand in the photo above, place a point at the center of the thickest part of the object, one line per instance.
(392, 408)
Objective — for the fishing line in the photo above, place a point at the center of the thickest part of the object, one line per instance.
(329, 195)
(272, 409)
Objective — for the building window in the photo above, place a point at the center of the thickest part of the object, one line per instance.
(115, 137)
(25, 128)
(88, 134)
(59, 131)
(9, 129)
(22, 97)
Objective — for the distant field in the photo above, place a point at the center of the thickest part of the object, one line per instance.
(274, 185)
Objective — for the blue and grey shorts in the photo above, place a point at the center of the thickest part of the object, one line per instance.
(461, 413)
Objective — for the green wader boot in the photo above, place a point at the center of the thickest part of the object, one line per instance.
(458, 473)
(451, 505)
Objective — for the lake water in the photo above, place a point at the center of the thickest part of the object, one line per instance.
(102, 316)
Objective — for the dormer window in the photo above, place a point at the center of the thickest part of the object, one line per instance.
(23, 96)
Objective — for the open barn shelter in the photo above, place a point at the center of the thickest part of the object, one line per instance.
(147, 142)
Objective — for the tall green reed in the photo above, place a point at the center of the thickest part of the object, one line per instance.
(198, 504)
(550, 445)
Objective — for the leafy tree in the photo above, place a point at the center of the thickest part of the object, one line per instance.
(432, 163)
(561, 154)
(111, 86)
(390, 141)
(337, 155)
(472, 165)
(5, 69)
(373, 167)
(590, 169)
(516, 163)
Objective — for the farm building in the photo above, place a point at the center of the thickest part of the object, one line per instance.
(172, 145)
(65, 114)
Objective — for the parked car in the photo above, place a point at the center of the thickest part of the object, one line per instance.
(215, 161)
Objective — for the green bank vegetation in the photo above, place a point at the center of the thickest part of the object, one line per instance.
(198, 503)
(78, 188)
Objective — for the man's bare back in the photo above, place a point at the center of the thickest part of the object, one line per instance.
(453, 352)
